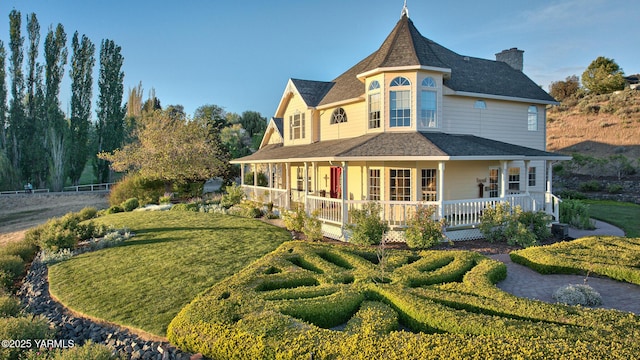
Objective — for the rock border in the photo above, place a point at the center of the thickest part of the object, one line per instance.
(35, 297)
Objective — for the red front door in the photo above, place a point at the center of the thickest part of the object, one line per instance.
(335, 191)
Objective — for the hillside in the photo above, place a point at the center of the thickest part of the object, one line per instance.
(597, 125)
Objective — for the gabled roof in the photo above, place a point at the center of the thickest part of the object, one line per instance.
(312, 91)
(406, 47)
(396, 145)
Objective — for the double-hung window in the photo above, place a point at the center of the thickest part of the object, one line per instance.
(429, 185)
(374, 184)
(374, 105)
(428, 104)
(400, 102)
(296, 126)
(532, 118)
(514, 180)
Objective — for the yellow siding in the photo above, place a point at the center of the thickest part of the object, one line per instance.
(461, 178)
(297, 105)
(502, 121)
(356, 124)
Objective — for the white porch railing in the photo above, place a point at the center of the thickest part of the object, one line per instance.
(458, 213)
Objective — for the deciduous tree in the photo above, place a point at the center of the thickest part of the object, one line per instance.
(16, 105)
(171, 149)
(561, 90)
(110, 124)
(603, 76)
(55, 53)
(81, 73)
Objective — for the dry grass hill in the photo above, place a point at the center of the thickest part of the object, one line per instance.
(597, 125)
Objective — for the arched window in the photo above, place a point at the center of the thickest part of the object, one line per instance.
(374, 85)
(429, 82)
(480, 104)
(339, 116)
(532, 118)
(400, 102)
(428, 104)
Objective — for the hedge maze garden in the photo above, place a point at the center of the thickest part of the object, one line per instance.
(311, 300)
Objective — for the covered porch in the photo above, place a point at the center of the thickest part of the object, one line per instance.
(334, 177)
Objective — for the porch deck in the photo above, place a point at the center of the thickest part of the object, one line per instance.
(462, 216)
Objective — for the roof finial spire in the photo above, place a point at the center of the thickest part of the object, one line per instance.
(405, 10)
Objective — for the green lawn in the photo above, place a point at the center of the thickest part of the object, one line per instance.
(623, 215)
(174, 256)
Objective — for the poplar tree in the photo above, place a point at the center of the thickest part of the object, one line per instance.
(55, 51)
(110, 122)
(6, 171)
(16, 106)
(34, 164)
(82, 62)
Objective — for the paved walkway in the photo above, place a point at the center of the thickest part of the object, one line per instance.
(524, 282)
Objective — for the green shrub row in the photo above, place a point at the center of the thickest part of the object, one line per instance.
(459, 313)
(13, 260)
(614, 257)
(66, 231)
(504, 223)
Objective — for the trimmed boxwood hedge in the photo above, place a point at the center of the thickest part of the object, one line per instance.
(433, 304)
(614, 257)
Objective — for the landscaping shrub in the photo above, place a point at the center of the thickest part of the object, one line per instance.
(313, 227)
(114, 209)
(262, 179)
(9, 306)
(19, 328)
(590, 186)
(514, 226)
(89, 350)
(246, 209)
(233, 196)
(294, 220)
(50, 257)
(130, 204)
(87, 213)
(185, 207)
(367, 228)
(135, 186)
(25, 250)
(572, 194)
(576, 214)
(579, 294)
(422, 231)
(614, 188)
(12, 265)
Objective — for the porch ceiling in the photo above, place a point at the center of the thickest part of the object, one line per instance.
(399, 146)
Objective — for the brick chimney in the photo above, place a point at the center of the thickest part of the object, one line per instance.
(513, 57)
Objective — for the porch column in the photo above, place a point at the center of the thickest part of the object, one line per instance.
(440, 189)
(270, 183)
(287, 180)
(365, 183)
(343, 186)
(503, 179)
(242, 173)
(305, 187)
(526, 176)
(255, 181)
(548, 203)
(315, 177)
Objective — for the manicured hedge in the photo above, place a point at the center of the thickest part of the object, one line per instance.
(332, 302)
(614, 257)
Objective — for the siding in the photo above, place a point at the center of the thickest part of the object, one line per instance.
(502, 121)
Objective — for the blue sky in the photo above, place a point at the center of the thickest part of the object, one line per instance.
(240, 54)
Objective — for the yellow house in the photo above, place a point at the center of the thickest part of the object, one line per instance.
(413, 123)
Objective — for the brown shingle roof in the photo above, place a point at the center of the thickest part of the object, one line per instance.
(396, 144)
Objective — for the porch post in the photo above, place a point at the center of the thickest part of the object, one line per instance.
(548, 205)
(255, 181)
(305, 187)
(503, 179)
(440, 189)
(526, 176)
(345, 210)
(270, 183)
(287, 180)
(242, 173)
(314, 164)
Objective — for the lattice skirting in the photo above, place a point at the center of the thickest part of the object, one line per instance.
(394, 236)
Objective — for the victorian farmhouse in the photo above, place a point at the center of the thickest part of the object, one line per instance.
(412, 124)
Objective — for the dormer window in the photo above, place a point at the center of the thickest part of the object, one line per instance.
(296, 126)
(339, 116)
(400, 102)
(374, 105)
(428, 104)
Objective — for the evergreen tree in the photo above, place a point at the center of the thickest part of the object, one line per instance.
(82, 62)
(110, 124)
(16, 106)
(55, 53)
(603, 76)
